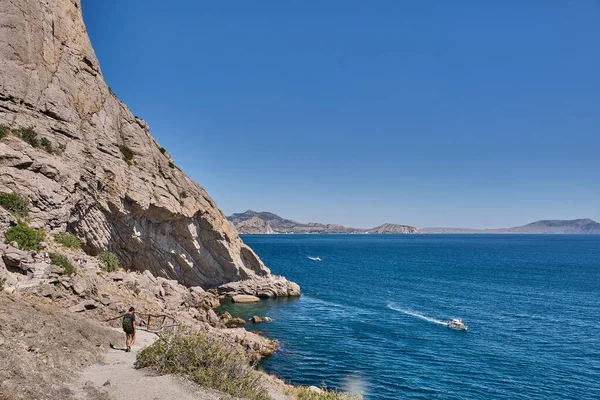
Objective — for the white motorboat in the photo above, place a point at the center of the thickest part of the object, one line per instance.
(457, 325)
(315, 258)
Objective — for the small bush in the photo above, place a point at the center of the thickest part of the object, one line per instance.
(110, 260)
(46, 145)
(135, 288)
(4, 131)
(15, 204)
(171, 165)
(62, 261)
(127, 154)
(162, 150)
(183, 195)
(27, 135)
(304, 393)
(206, 360)
(27, 238)
(2, 283)
(68, 240)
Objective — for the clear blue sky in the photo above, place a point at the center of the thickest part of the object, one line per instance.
(429, 113)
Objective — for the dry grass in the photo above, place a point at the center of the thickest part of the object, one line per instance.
(207, 361)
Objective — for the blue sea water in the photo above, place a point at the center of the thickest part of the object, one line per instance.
(371, 314)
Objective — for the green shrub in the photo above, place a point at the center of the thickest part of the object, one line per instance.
(68, 240)
(62, 261)
(171, 165)
(2, 283)
(206, 360)
(304, 393)
(15, 204)
(27, 238)
(162, 150)
(27, 135)
(4, 131)
(46, 145)
(127, 154)
(110, 260)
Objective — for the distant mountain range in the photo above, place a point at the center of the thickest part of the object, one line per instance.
(550, 226)
(252, 222)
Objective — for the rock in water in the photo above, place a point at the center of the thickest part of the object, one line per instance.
(244, 298)
(258, 320)
(99, 172)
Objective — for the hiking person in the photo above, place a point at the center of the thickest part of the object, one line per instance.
(129, 328)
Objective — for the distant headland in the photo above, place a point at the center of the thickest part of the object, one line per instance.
(253, 222)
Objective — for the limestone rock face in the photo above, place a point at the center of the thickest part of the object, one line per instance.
(146, 210)
(263, 287)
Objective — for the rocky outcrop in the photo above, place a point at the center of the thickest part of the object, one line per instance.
(252, 222)
(100, 174)
(263, 287)
(101, 295)
(259, 320)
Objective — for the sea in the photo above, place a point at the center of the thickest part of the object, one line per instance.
(372, 315)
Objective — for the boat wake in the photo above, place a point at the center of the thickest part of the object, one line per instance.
(392, 306)
(314, 258)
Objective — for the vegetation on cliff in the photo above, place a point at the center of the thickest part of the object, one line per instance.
(68, 240)
(205, 360)
(110, 261)
(15, 204)
(27, 238)
(62, 261)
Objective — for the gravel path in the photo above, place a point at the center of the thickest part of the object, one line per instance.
(117, 379)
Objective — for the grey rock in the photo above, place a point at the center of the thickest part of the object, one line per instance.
(79, 286)
(47, 291)
(116, 276)
(264, 287)
(151, 277)
(244, 298)
(84, 305)
(234, 322)
(130, 278)
(13, 257)
(258, 320)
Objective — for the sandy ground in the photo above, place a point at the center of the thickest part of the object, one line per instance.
(117, 379)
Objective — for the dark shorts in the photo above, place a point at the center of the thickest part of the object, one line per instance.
(130, 332)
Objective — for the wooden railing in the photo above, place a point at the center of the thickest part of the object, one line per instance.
(146, 322)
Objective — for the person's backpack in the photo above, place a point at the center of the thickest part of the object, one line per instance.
(127, 325)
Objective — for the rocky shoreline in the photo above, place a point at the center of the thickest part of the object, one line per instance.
(100, 295)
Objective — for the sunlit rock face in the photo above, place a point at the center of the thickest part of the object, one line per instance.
(105, 178)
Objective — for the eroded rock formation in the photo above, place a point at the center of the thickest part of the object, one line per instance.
(100, 174)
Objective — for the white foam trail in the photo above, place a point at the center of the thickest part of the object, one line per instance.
(414, 314)
(314, 258)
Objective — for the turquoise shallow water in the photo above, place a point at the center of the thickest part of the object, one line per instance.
(368, 319)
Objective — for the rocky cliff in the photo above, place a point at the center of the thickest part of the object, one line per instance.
(252, 222)
(87, 165)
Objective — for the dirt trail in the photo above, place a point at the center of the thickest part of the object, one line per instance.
(117, 379)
